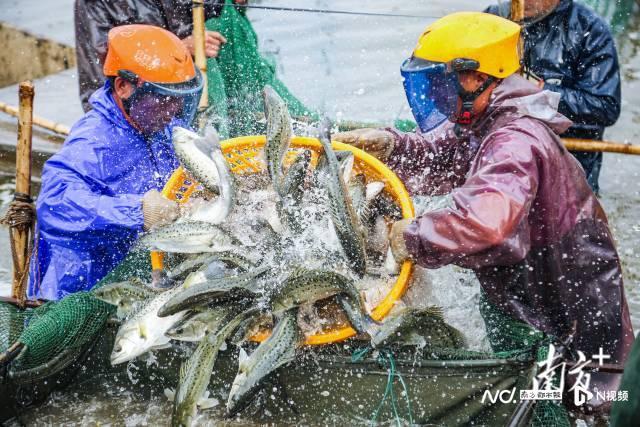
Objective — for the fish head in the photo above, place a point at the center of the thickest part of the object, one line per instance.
(189, 331)
(181, 136)
(128, 345)
(238, 395)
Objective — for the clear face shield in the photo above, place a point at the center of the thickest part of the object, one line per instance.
(432, 91)
(153, 106)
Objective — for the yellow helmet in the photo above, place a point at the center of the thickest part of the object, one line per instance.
(490, 40)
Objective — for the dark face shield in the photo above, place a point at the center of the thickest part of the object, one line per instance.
(153, 106)
(431, 90)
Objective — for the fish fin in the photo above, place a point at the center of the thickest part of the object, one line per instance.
(207, 403)
(373, 189)
(390, 263)
(433, 311)
(170, 394)
(242, 359)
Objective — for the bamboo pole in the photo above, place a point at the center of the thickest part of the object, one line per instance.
(198, 47)
(603, 146)
(23, 186)
(517, 16)
(517, 11)
(37, 120)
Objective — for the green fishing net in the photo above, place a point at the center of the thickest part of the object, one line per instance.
(509, 337)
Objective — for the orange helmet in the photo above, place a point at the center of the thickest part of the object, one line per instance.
(151, 53)
(160, 67)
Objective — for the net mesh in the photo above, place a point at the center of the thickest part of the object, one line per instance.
(509, 337)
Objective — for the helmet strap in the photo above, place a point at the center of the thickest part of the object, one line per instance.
(468, 98)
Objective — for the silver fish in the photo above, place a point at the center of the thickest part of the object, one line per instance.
(216, 290)
(276, 351)
(303, 286)
(349, 230)
(188, 237)
(194, 326)
(125, 295)
(191, 150)
(278, 136)
(196, 372)
(144, 330)
(289, 208)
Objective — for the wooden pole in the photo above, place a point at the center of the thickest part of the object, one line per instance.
(517, 11)
(38, 121)
(517, 16)
(604, 146)
(23, 187)
(198, 47)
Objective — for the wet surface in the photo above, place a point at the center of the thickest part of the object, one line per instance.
(348, 67)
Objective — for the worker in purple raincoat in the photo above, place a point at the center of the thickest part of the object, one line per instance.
(100, 191)
(523, 216)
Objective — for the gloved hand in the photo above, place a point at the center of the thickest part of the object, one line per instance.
(157, 210)
(396, 239)
(377, 142)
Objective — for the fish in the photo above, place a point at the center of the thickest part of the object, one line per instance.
(289, 208)
(125, 295)
(346, 161)
(293, 185)
(217, 290)
(421, 326)
(276, 351)
(144, 330)
(278, 136)
(210, 169)
(188, 237)
(304, 285)
(360, 320)
(193, 153)
(347, 225)
(196, 372)
(180, 271)
(197, 324)
(362, 195)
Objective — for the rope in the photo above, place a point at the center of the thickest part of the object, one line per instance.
(20, 217)
(385, 358)
(325, 11)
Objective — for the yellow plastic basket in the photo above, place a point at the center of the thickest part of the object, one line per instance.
(243, 156)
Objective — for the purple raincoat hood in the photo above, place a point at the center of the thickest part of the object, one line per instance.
(516, 97)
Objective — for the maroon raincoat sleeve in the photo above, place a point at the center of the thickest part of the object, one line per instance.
(428, 163)
(489, 223)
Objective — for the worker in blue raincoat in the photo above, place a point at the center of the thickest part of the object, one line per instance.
(100, 191)
(570, 50)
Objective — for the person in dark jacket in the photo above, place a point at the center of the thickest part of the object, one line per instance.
(101, 190)
(570, 48)
(523, 217)
(94, 19)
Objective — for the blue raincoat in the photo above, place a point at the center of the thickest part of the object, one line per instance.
(90, 204)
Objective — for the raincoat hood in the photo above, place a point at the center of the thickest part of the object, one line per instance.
(516, 97)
